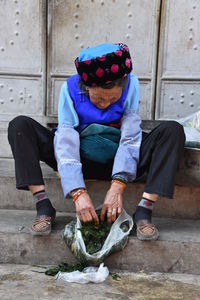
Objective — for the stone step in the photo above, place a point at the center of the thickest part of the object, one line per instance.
(186, 202)
(177, 250)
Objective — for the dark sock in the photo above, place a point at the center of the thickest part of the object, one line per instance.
(43, 204)
(144, 210)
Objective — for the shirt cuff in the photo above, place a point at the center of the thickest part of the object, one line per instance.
(120, 178)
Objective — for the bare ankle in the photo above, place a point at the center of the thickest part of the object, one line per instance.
(36, 188)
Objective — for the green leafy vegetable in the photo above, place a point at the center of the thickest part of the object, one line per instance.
(64, 267)
(115, 276)
(94, 236)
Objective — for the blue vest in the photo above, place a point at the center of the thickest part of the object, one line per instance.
(87, 112)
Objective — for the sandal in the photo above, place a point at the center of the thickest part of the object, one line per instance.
(146, 231)
(42, 225)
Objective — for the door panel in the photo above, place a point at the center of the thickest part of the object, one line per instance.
(178, 92)
(78, 24)
(179, 98)
(21, 34)
(21, 96)
(22, 63)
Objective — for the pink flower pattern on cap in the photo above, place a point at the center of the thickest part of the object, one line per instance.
(84, 76)
(118, 53)
(106, 67)
(102, 58)
(128, 62)
(76, 63)
(87, 62)
(114, 68)
(99, 72)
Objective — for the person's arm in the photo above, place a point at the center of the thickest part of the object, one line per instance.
(67, 153)
(67, 144)
(127, 156)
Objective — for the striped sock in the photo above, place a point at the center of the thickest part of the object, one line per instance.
(146, 203)
(144, 210)
(43, 204)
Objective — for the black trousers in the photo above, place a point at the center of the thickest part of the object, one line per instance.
(160, 153)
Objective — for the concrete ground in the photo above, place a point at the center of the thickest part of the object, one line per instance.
(22, 282)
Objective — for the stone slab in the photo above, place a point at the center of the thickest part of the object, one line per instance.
(24, 283)
(177, 250)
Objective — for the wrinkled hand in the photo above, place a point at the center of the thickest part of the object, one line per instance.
(85, 209)
(113, 203)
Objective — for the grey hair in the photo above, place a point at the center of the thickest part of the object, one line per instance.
(121, 82)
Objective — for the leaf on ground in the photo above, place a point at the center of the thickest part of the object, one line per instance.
(115, 276)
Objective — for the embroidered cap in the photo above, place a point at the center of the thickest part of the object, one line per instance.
(103, 64)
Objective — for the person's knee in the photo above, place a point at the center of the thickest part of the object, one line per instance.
(174, 130)
(18, 124)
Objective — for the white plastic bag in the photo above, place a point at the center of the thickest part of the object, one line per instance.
(191, 125)
(191, 121)
(89, 274)
(115, 241)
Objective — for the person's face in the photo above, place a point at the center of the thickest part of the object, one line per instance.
(102, 98)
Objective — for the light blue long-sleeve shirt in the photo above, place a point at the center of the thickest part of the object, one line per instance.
(67, 140)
